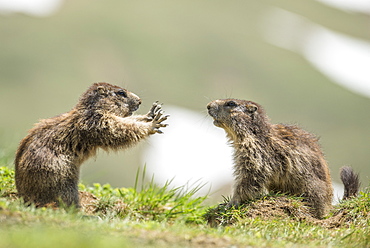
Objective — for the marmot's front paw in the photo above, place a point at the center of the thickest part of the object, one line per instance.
(153, 110)
(233, 203)
(157, 118)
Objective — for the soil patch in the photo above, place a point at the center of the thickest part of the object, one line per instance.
(275, 207)
(88, 202)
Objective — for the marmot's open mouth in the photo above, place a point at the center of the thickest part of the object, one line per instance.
(217, 123)
(133, 109)
(211, 113)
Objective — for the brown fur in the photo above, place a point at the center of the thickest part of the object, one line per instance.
(272, 157)
(351, 182)
(48, 159)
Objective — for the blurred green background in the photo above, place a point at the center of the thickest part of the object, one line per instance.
(182, 53)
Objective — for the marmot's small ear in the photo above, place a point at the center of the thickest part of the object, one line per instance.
(251, 108)
(100, 90)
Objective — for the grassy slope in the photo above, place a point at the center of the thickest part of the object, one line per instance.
(199, 50)
(164, 217)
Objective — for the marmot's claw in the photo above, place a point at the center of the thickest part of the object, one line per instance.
(156, 116)
(162, 125)
(162, 119)
(153, 112)
(232, 204)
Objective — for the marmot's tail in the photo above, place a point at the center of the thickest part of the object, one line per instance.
(351, 182)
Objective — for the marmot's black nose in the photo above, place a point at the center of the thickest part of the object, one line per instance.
(208, 106)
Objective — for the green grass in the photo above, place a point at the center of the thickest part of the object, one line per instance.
(162, 216)
(150, 203)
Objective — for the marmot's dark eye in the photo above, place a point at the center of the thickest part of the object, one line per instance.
(121, 93)
(231, 104)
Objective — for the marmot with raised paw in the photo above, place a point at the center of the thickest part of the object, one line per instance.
(48, 159)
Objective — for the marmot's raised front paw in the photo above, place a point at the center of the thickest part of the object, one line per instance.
(153, 110)
(157, 117)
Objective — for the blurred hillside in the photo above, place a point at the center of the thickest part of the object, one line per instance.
(182, 53)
